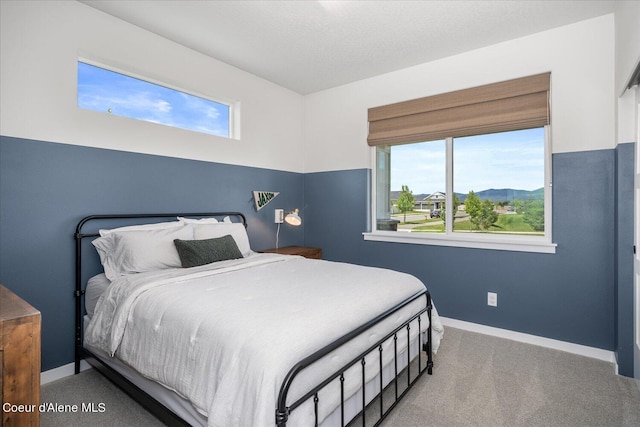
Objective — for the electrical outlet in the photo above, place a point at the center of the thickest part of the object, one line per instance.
(492, 299)
(279, 216)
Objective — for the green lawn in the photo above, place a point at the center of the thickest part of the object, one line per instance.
(512, 223)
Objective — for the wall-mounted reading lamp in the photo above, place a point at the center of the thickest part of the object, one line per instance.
(292, 218)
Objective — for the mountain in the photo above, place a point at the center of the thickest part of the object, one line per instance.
(496, 195)
(506, 195)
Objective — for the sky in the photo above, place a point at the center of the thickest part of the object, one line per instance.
(505, 160)
(114, 93)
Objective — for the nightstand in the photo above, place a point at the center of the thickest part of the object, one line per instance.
(314, 253)
(19, 360)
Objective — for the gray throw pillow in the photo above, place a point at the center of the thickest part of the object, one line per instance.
(193, 253)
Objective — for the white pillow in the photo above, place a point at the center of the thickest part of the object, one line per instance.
(154, 226)
(236, 230)
(95, 288)
(197, 221)
(211, 220)
(137, 251)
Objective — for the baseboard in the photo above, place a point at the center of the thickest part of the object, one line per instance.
(582, 350)
(61, 372)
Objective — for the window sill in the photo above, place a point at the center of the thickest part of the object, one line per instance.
(494, 242)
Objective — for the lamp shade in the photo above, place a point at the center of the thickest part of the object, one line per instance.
(293, 218)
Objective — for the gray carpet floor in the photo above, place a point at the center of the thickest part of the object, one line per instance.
(478, 380)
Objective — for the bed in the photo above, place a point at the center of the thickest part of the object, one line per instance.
(202, 330)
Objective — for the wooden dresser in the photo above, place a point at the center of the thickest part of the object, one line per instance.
(314, 253)
(19, 361)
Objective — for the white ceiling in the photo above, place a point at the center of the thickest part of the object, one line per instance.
(309, 45)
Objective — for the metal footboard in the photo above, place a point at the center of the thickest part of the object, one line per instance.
(283, 410)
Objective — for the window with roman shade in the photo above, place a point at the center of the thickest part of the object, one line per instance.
(467, 168)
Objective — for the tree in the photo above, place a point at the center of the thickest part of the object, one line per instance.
(473, 207)
(519, 205)
(488, 216)
(481, 213)
(534, 214)
(405, 201)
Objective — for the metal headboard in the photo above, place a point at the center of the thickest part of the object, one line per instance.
(79, 235)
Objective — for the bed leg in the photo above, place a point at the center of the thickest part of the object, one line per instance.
(78, 359)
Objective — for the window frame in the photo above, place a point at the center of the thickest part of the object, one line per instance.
(233, 106)
(539, 244)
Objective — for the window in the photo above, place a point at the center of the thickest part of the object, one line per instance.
(470, 182)
(115, 93)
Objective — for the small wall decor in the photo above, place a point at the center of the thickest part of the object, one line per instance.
(262, 198)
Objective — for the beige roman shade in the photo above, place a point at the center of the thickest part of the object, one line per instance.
(499, 107)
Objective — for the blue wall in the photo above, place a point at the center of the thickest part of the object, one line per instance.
(624, 258)
(581, 294)
(46, 188)
(569, 296)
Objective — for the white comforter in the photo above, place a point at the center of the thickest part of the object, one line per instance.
(225, 335)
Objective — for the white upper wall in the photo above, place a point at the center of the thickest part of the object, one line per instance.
(580, 57)
(41, 42)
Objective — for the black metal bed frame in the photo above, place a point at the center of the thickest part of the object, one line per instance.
(283, 410)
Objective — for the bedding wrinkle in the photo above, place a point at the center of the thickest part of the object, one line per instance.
(224, 336)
